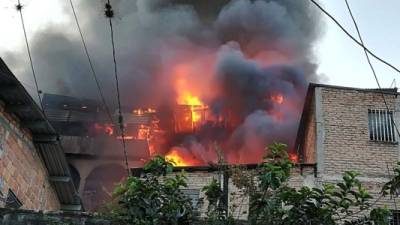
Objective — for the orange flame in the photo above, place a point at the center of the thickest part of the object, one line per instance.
(293, 157)
(106, 128)
(278, 99)
(176, 158)
(187, 99)
(185, 90)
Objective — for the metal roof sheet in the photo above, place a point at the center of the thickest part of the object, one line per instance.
(18, 102)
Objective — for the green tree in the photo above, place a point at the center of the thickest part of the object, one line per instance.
(274, 202)
(154, 198)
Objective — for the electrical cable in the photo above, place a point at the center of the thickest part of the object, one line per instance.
(353, 38)
(371, 66)
(109, 13)
(377, 81)
(19, 8)
(91, 64)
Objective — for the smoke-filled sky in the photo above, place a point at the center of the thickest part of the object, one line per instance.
(249, 60)
(339, 59)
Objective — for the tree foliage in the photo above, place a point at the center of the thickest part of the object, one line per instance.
(154, 198)
(274, 202)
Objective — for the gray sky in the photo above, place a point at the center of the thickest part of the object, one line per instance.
(340, 60)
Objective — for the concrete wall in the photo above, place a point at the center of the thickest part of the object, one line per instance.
(21, 168)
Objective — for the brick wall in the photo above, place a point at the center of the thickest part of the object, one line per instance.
(21, 168)
(238, 202)
(346, 142)
(337, 135)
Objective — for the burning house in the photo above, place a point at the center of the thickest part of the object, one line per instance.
(193, 75)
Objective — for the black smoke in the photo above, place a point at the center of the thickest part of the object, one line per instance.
(152, 35)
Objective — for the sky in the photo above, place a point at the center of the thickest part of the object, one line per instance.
(341, 61)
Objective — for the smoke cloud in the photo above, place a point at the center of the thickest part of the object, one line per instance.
(237, 56)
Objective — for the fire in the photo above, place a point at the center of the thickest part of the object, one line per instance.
(176, 158)
(126, 137)
(106, 128)
(278, 99)
(293, 157)
(185, 96)
(188, 99)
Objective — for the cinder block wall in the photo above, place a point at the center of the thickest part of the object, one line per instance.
(21, 168)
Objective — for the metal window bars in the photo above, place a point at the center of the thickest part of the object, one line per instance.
(381, 126)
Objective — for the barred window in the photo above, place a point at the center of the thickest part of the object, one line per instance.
(381, 125)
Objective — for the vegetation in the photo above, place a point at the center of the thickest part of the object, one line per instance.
(155, 197)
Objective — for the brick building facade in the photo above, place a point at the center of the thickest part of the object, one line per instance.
(21, 168)
(341, 129)
(34, 173)
(349, 129)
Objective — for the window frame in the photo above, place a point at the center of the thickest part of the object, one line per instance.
(381, 126)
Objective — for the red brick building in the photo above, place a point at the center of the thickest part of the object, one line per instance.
(34, 173)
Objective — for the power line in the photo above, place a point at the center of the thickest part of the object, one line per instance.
(90, 63)
(109, 13)
(353, 38)
(19, 8)
(370, 64)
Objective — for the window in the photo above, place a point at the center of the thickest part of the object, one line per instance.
(381, 126)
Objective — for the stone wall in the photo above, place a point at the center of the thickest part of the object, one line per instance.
(21, 168)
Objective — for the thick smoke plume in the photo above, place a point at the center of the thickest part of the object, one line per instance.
(240, 56)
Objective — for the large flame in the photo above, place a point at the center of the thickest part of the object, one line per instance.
(185, 93)
(176, 158)
(188, 99)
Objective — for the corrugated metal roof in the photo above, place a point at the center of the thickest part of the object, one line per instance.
(18, 102)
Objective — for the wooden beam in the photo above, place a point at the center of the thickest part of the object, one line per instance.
(62, 179)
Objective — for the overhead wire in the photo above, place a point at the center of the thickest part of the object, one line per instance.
(370, 65)
(377, 81)
(109, 13)
(353, 38)
(91, 64)
(19, 9)
(367, 52)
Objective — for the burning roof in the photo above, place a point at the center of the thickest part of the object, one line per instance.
(235, 75)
